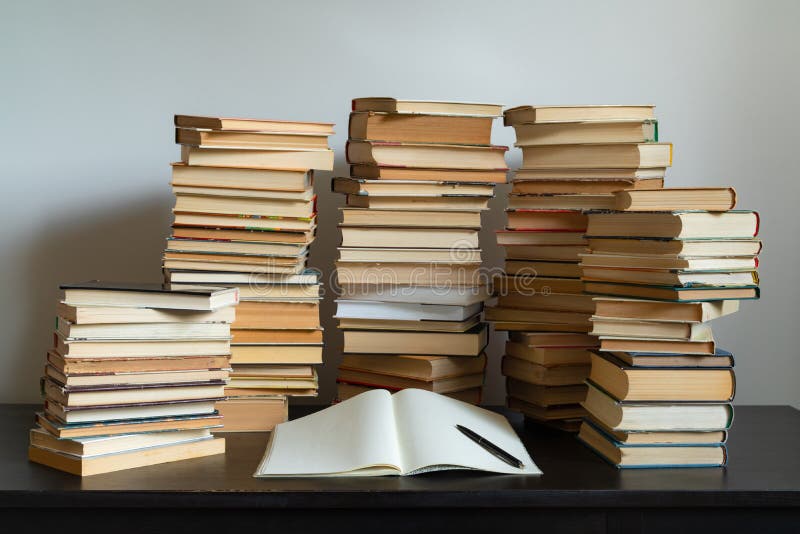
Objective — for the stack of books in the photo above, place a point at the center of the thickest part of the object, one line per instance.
(665, 263)
(411, 286)
(133, 377)
(574, 159)
(245, 217)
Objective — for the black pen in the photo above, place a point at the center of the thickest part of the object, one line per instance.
(491, 447)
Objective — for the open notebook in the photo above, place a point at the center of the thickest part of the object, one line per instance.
(377, 433)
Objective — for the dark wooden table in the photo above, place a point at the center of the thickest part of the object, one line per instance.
(758, 491)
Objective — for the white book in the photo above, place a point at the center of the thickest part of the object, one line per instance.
(406, 311)
(451, 295)
(410, 432)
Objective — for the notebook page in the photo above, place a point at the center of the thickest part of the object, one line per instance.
(429, 440)
(356, 434)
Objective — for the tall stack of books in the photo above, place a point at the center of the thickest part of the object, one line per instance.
(133, 377)
(411, 285)
(245, 217)
(665, 263)
(574, 159)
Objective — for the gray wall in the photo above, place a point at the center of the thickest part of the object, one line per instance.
(89, 89)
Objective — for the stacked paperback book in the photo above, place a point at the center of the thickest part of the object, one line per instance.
(133, 377)
(574, 159)
(245, 216)
(411, 287)
(665, 263)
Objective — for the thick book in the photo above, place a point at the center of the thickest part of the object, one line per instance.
(581, 201)
(552, 220)
(106, 463)
(126, 426)
(632, 328)
(399, 188)
(544, 252)
(125, 379)
(543, 414)
(258, 159)
(105, 316)
(94, 396)
(626, 455)
(643, 437)
(301, 225)
(231, 247)
(409, 255)
(441, 203)
(439, 276)
(576, 186)
(419, 128)
(545, 395)
(410, 218)
(294, 239)
(675, 248)
(579, 132)
(675, 278)
(547, 301)
(677, 198)
(593, 173)
(427, 155)
(265, 207)
(537, 238)
(720, 359)
(427, 107)
(97, 445)
(549, 356)
(611, 155)
(675, 225)
(699, 347)
(627, 383)
(142, 330)
(438, 385)
(267, 314)
(533, 373)
(250, 140)
(537, 114)
(237, 178)
(426, 174)
(446, 238)
(671, 293)
(274, 353)
(257, 414)
(427, 368)
(406, 433)
(409, 311)
(140, 348)
(454, 295)
(253, 125)
(672, 263)
(554, 339)
(651, 416)
(97, 293)
(124, 365)
(538, 316)
(469, 343)
(557, 269)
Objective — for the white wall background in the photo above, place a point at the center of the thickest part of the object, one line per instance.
(89, 89)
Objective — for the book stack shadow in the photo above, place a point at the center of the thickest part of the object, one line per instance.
(411, 289)
(665, 263)
(245, 217)
(574, 159)
(133, 377)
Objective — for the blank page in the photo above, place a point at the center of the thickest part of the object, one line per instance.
(429, 440)
(355, 437)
